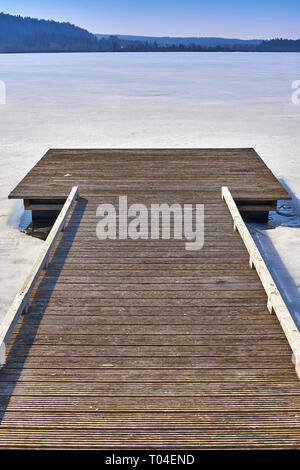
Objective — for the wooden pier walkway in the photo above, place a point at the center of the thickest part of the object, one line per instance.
(142, 344)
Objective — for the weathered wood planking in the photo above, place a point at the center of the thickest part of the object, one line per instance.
(141, 344)
(150, 169)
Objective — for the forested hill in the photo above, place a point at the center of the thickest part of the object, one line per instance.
(18, 34)
(280, 45)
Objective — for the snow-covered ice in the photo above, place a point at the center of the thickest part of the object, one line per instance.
(150, 100)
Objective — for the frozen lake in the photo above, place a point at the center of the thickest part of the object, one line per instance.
(151, 100)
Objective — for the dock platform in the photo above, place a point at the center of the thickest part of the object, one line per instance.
(141, 344)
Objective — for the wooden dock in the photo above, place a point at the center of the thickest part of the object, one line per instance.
(142, 344)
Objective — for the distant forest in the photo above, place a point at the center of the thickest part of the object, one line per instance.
(18, 34)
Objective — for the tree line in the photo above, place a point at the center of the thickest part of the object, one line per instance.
(19, 34)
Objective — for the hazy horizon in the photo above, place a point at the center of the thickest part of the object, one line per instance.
(191, 18)
(179, 36)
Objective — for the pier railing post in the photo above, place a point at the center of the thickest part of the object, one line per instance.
(2, 354)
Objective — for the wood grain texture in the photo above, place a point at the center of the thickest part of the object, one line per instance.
(141, 344)
(153, 170)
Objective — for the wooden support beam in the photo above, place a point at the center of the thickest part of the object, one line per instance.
(49, 206)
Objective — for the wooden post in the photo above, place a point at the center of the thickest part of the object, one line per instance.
(46, 264)
(2, 354)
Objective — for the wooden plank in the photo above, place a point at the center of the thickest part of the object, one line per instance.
(216, 389)
(150, 421)
(83, 361)
(88, 439)
(56, 318)
(146, 376)
(132, 404)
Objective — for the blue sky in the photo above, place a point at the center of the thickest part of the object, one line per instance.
(232, 18)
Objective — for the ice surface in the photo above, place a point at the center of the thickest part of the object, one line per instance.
(149, 100)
